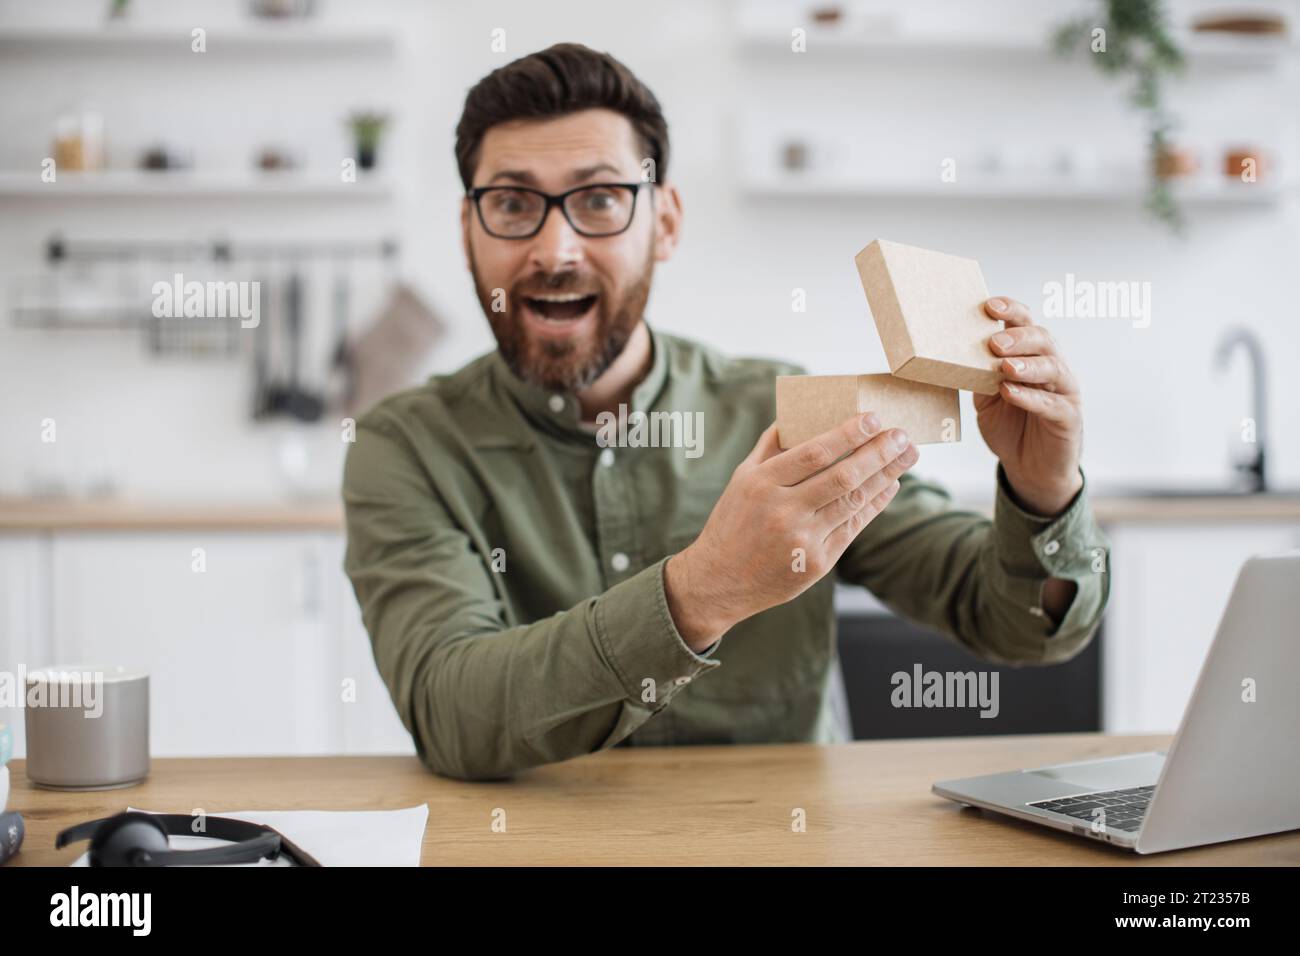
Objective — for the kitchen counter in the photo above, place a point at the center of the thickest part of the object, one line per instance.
(1196, 510)
(111, 514)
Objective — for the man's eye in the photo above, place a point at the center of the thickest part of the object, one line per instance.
(598, 202)
(509, 204)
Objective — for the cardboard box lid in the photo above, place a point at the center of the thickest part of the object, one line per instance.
(930, 305)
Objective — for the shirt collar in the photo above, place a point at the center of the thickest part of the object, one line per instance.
(560, 412)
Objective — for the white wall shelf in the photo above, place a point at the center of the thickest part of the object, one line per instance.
(1200, 49)
(246, 38)
(1008, 188)
(145, 184)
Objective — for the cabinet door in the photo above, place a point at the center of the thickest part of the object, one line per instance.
(24, 621)
(233, 629)
(370, 722)
(1169, 590)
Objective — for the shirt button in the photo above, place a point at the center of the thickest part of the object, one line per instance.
(1037, 612)
(619, 562)
(557, 403)
(607, 457)
(682, 681)
(1051, 548)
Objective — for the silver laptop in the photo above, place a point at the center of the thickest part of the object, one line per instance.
(1233, 770)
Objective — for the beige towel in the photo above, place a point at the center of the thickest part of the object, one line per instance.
(389, 354)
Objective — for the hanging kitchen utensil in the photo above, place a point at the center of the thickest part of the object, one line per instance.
(390, 353)
(222, 256)
(341, 381)
(290, 398)
(262, 343)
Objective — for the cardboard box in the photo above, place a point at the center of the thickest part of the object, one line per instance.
(807, 405)
(929, 311)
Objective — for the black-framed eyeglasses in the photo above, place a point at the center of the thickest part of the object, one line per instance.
(518, 212)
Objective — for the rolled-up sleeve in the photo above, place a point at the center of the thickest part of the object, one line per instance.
(980, 581)
(482, 699)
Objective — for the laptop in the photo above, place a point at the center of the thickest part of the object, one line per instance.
(1233, 770)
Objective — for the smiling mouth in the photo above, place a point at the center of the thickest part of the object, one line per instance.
(566, 307)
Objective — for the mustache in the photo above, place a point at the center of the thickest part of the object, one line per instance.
(557, 282)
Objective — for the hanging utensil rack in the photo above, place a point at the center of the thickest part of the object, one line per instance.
(222, 257)
(59, 249)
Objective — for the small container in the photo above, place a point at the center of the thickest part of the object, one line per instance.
(1245, 163)
(68, 148)
(87, 727)
(1175, 162)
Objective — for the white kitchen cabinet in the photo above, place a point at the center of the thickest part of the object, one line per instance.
(248, 655)
(24, 618)
(230, 626)
(262, 651)
(370, 722)
(1169, 588)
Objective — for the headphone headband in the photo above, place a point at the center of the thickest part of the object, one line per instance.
(248, 842)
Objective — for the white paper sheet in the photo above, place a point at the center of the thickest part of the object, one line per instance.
(333, 837)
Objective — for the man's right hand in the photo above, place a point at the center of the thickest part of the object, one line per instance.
(783, 510)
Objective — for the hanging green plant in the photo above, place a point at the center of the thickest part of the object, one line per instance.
(1130, 38)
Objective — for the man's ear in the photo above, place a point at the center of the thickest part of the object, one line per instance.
(666, 202)
(464, 229)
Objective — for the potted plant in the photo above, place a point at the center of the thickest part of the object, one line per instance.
(367, 128)
(1130, 38)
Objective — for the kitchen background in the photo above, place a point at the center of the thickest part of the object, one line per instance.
(173, 435)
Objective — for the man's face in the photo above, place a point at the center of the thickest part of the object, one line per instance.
(571, 302)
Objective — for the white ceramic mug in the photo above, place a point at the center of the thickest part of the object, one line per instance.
(87, 727)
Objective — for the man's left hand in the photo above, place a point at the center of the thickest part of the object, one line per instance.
(1034, 424)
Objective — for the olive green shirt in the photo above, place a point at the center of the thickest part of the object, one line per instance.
(510, 570)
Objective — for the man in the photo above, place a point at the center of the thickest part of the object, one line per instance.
(531, 595)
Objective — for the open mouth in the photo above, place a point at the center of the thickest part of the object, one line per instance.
(561, 307)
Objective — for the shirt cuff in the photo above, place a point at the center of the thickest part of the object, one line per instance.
(641, 642)
(1031, 548)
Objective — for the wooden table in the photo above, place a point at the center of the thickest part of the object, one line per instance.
(865, 803)
(25, 514)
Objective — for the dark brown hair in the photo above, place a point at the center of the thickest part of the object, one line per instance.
(561, 79)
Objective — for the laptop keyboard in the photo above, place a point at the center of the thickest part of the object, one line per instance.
(1124, 809)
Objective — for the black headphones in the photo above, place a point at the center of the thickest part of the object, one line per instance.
(140, 839)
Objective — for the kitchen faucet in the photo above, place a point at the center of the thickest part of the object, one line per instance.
(1252, 470)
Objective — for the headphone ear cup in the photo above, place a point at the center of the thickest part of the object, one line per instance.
(121, 838)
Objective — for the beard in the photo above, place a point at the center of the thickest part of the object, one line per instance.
(565, 365)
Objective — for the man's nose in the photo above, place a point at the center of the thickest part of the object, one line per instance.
(557, 246)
